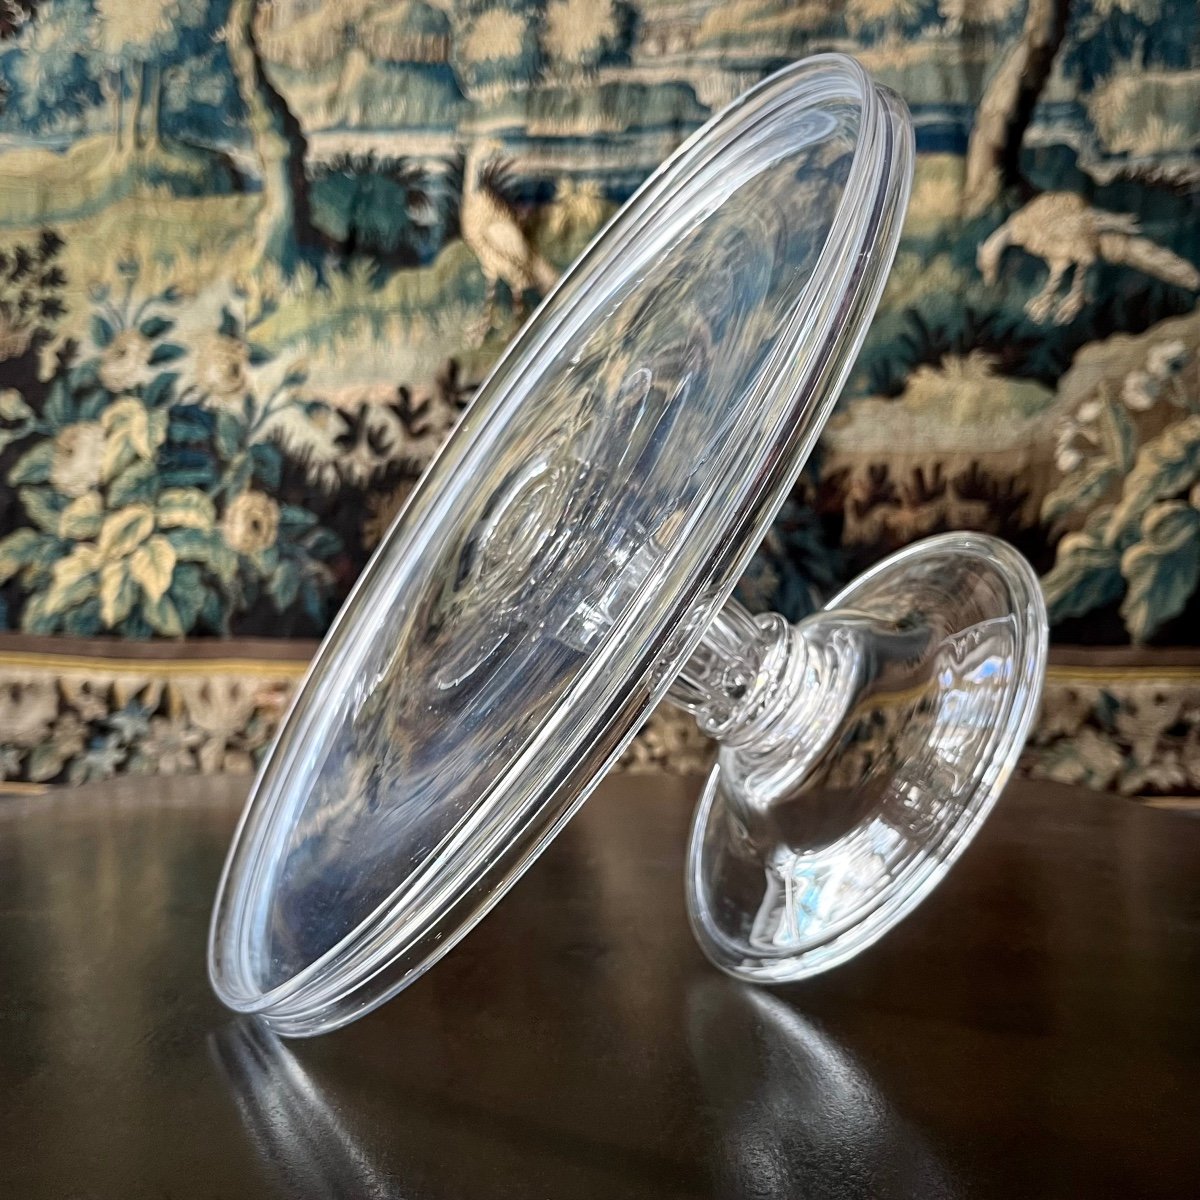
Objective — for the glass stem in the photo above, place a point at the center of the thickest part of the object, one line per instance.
(778, 697)
(771, 693)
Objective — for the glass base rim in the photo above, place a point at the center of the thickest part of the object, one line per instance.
(757, 964)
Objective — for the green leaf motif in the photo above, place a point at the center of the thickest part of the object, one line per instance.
(92, 405)
(86, 378)
(58, 410)
(213, 612)
(102, 331)
(36, 618)
(1163, 570)
(1079, 491)
(186, 508)
(231, 433)
(237, 477)
(187, 593)
(265, 561)
(81, 519)
(117, 593)
(45, 508)
(285, 585)
(190, 425)
(154, 327)
(137, 627)
(1086, 575)
(37, 572)
(74, 580)
(323, 543)
(294, 518)
(139, 481)
(1170, 526)
(268, 464)
(164, 618)
(192, 545)
(34, 465)
(197, 474)
(1165, 466)
(152, 565)
(129, 435)
(161, 389)
(18, 550)
(83, 620)
(165, 352)
(125, 530)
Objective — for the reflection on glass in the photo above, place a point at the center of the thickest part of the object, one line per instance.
(299, 1138)
(797, 1115)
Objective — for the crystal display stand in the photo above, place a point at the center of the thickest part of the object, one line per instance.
(566, 562)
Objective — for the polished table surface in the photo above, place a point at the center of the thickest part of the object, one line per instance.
(1032, 1030)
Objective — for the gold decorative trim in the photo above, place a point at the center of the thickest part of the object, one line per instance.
(1058, 674)
(158, 668)
(86, 711)
(12, 787)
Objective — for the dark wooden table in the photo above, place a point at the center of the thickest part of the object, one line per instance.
(1033, 1030)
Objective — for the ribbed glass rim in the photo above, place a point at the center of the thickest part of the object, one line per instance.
(825, 329)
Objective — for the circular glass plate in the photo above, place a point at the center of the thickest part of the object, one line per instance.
(562, 555)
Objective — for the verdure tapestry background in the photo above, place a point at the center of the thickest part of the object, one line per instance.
(256, 254)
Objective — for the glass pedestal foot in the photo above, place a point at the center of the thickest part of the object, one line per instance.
(860, 750)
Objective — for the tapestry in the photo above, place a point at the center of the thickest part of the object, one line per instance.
(75, 712)
(251, 271)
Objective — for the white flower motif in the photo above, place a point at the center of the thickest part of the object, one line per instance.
(1140, 391)
(1089, 410)
(251, 523)
(221, 367)
(124, 361)
(78, 457)
(1166, 358)
(1068, 459)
